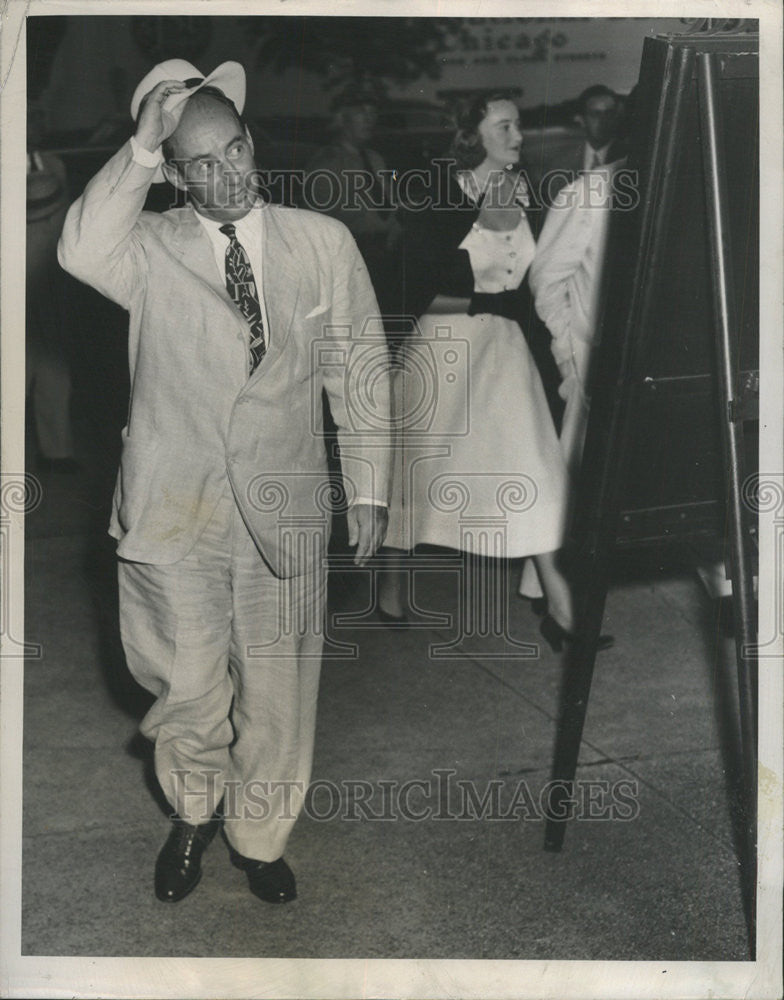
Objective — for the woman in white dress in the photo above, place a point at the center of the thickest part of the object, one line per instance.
(478, 467)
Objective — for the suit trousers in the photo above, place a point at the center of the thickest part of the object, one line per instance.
(232, 654)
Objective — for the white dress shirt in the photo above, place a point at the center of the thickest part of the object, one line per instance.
(593, 158)
(250, 233)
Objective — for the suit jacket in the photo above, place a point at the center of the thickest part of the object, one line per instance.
(194, 415)
(566, 281)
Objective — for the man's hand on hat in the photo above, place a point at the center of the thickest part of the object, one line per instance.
(155, 123)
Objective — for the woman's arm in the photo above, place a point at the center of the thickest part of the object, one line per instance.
(435, 223)
(443, 305)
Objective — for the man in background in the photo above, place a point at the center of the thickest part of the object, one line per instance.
(48, 379)
(599, 114)
(348, 180)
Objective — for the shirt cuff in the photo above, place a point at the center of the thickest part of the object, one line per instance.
(369, 502)
(144, 156)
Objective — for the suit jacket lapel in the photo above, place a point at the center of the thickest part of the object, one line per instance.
(193, 246)
(280, 278)
(280, 282)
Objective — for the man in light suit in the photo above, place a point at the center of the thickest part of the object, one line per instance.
(240, 313)
(566, 280)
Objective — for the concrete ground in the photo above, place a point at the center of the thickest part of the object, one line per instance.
(431, 873)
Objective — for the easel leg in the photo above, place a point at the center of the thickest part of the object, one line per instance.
(578, 674)
(731, 429)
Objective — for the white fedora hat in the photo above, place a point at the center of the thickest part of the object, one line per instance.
(229, 78)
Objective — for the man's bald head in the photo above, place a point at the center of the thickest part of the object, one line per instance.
(206, 102)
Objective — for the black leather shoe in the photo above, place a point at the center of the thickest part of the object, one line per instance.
(178, 868)
(272, 881)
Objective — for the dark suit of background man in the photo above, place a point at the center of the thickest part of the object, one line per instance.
(240, 313)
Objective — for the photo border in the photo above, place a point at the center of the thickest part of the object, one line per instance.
(42, 976)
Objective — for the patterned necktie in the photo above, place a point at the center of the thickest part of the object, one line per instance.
(241, 286)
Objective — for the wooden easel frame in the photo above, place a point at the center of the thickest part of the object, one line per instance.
(612, 423)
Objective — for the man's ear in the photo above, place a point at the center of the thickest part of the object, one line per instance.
(579, 120)
(172, 175)
(249, 137)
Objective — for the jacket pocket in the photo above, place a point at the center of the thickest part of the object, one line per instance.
(138, 468)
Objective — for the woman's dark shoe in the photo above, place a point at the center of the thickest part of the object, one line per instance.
(393, 621)
(538, 604)
(558, 636)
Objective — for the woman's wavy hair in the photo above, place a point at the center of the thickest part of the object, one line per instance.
(467, 148)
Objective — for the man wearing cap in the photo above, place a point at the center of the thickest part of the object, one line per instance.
(240, 312)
